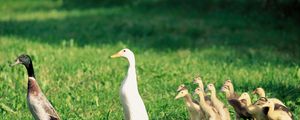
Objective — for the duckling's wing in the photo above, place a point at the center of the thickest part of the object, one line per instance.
(235, 103)
(283, 108)
(265, 110)
(196, 102)
(49, 108)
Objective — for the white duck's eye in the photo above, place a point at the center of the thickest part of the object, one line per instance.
(124, 50)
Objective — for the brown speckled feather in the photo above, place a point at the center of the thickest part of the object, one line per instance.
(37, 98)
(239, 109)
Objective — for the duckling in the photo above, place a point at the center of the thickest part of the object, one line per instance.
(194, 109)
(254, 109)
(198, 80)
(261, 93)
(208, 109)
(241, 111)
(278, 114)
(180, 87)
(231, 89)
(223, 111)
(39, 106)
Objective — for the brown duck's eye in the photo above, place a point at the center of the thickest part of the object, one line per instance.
(124, 50)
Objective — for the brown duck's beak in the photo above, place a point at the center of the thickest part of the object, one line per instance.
(17, 62)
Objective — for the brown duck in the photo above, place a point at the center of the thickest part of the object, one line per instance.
(39, 106)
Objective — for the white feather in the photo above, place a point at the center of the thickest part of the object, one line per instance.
(133, 105)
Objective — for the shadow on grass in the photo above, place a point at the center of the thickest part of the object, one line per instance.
(165, 25)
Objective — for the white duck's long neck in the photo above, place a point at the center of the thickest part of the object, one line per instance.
(131, 74)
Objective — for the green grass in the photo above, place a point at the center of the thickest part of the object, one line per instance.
(71, 45)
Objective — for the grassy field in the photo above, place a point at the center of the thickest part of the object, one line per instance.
(173, 42)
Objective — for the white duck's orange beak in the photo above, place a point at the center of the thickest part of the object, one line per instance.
(119, 54)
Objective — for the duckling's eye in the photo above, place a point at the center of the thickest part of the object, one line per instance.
(181, 92)
(124, 50)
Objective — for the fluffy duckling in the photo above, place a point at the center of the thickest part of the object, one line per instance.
(278, 114)
(223, 111)
(231, 89)
(193, 107)
(261, 93)
(198, 80)
(39, 106)
(255, 110)
(241, 111)
(208, 109)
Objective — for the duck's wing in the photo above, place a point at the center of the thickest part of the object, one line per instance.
(49, 108)
(283, 108)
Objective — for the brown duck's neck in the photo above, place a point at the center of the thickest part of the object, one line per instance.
(33, 87)
(30, 71)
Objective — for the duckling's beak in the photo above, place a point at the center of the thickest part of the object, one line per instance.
(178, 96)
(254, 92)
(116, 55)
(17, 62)
(179, 89)
(194, 81)
(222, 89)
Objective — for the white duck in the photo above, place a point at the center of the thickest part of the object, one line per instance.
(133, 105)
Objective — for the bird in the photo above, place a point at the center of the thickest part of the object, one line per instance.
(231, 89)
(193, 107)
(39, 106)
(223, 111)
(256, 110)
(261, 93)
(282, 113)
(198, 80)
(133, 105)
(208, 109)
(241, 111)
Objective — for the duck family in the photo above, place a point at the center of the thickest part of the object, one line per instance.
(208, 106)
(215, 109)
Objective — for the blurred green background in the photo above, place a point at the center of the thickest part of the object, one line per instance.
(254, 43)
